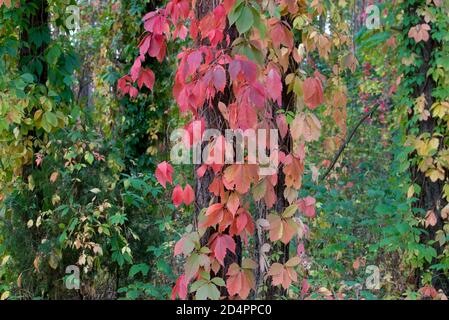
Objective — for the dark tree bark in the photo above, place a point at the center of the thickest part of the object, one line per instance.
(37, 20)
(430, 197)
(214, 120)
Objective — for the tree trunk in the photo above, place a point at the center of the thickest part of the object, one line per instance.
(430, 197)
(214, 120)
(37, 20)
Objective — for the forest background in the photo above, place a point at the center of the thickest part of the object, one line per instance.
(91, 206)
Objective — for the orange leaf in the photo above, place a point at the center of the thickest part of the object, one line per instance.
(233, 203)
(313, 92)
(239, 177)
(214, 215)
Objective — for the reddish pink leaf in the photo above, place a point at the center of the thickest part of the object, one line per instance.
(188, 195)
(179, 247)
(146, 78)
(180, 288)
(135, 69)
(177, 196)
(219, 244)
(194, 61)
(228, 4)
(274, 85)
(219, 78)
(164, 173)
(307, 206)
(281, 121)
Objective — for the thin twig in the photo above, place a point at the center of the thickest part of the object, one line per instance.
(348, 140)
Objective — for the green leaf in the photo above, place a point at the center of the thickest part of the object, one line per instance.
(197, 284)
(258, 23)
(53, 54)
(27, 77)
(51, 118)
(214, 293)
(219, 282)
(202, 293)
(290, 211)
(192, 265)
(143, 268)
(245, 21)
(89, 157)
(235, 13)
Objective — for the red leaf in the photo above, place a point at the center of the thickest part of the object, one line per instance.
(146, 78)
(212, 25)
(219, 244)
(178, 9)
(201, 170)
(180, 288)
(156, 23)
(164, 173)
(274, 85)
(177, 196)
(281, 121)
(234, 282)
(158, 47)
(307, 206)
(228, 4)
(241, 69)
(284, 274)
(135, 69)
(144, 45)
(280, 34)
(123, 84)
(242, 222)
(219, 78)
(305, 287)
(188, 195)
(293, 169)
(257, 95)
(194, 61)
(133, 92)
(179, 247)
(428, 291)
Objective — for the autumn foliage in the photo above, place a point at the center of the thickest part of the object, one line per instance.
(258, 87)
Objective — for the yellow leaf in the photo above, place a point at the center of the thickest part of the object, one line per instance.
(5, 295)
(425, 147)
(440, 109)
(411, 191)
(435, 174)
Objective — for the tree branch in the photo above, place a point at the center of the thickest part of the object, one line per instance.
(348, 140)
